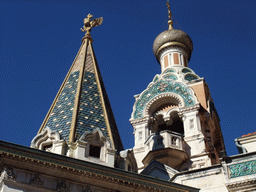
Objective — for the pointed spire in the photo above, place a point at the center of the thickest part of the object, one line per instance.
(170, 22)
(82, 103)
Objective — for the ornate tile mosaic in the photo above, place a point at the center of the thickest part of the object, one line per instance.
(171, 77)
(169, 71)
(163, 86)
(190, 77)
(185, 70)
(242, 169)
(61, 115)
(90, 114)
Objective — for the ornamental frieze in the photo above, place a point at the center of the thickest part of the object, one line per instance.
(62, 185)
(35, 179)
(242, 169)
(163, 86)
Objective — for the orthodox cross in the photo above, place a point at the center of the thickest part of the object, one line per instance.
(170, 22)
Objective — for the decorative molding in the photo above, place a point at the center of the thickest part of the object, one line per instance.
(164, 96)
(139, 121)
(45, 137)
(239, 184)
(85, 169)
(200, 173)
(191, 108)
(171, 45)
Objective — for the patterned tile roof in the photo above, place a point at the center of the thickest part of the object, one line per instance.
(82, 103)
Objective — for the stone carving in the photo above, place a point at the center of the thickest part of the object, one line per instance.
(44, 140)
(62, 186)
(7, 173)
(89, 24)
(35, 180)
(242, 169)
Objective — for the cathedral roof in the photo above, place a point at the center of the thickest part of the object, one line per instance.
(82, 103)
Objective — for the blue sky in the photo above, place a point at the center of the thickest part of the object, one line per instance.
(40, 39)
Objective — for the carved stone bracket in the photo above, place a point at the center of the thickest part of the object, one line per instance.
(7, 173)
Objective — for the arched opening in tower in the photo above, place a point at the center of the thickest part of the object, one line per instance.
(175, 123)
(160, 121)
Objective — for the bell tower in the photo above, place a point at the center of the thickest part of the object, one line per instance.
(174, 118)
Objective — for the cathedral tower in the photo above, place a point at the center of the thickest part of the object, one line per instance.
(174, 118)
(80, 122)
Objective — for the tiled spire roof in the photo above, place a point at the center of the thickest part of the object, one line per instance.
(82, 103)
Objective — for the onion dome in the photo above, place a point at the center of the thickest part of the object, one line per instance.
(172, 37)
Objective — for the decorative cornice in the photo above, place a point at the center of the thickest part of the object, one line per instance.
(239, 184)
(173, 45)
(85, 169)
(139, 121)
(195, 107)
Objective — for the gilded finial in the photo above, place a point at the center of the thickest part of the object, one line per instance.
(89, 24)
(170, 22)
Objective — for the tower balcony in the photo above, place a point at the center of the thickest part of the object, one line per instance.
(166, 147)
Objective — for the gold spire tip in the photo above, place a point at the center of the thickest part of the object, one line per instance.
(170, 22)
(89, 24)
